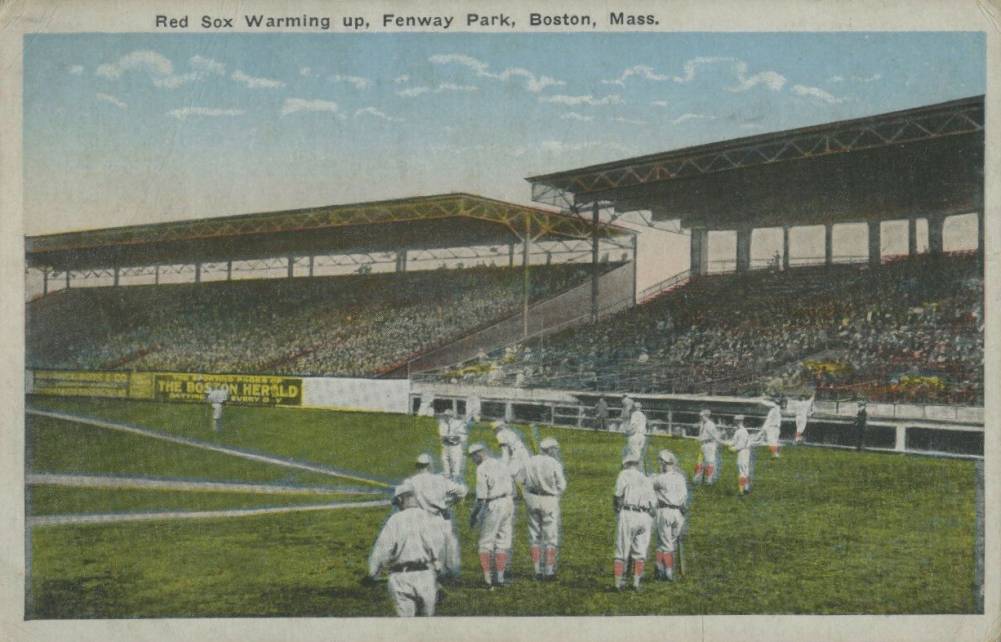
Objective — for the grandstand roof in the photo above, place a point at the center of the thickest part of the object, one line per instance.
(419, 223)
(911, 162)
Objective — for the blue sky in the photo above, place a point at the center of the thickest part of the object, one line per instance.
(129, 128)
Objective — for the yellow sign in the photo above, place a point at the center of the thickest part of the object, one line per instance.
(258, 390)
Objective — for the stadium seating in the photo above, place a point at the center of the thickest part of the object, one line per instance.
(344, 325)
(911, 330)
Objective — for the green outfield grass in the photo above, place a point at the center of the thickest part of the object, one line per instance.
(825, 531)
(58, 500)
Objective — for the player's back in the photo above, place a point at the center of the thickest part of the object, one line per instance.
(671, 488)
(635, 489)
(544, 474)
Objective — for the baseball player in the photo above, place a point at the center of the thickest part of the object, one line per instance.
(407, 548)
(493, 513)
(426, 409)
(627, 411)
(773, 425)
(437, 494)
(636, 432)
(705, 467)
(634, 503)
(742, 444)
(671, 489)
(452, 432)
(473, 407)
(804, 409)
(544, 484)
(217, 397)
(514, 454)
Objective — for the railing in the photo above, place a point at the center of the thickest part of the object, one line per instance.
(668, 284)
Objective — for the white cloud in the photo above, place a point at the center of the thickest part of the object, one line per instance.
(183, 113)
(836, 79)
(401, 79)
(643, 71)
(293, 105)
(771, 79)
(866, 79)
(690, 116)
(816, 92)
(659, 103)
(76, 70)
(372, 111)
(560, 99)
(207, 65)
(410, 92)
(358, 82)
(108, 98)
(572, 115)
(533, 83)
(628, 121)
(559, 147)
(142, 60)
(176, 80)
(253, 82)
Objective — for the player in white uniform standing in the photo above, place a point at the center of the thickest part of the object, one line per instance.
(804, 409)
(494, 512)
(636, 432)
(452, 432)
(437, 494)
(634, 503)
(407, 547)
(671, 489)
(706, 466)
(742, 444)
(473, 407)
(627, 412)
(544, 484)
(514, 454)
(773, 425)
(217, 397)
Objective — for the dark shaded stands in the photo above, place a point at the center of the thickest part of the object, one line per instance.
(911, 330)
(341, 325)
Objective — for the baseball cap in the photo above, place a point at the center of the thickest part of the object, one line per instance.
(705, 412)
(475, 448)
(497, 425)
(424, 459)
(667, 457)
(448, 412)
(406, 488)
(630, 459)
(548, 443)
(637, 406)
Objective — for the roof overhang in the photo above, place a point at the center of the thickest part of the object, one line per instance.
(420, 223)
(912, 162)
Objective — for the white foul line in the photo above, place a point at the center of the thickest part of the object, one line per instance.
(288, 463)
(110, 481)
(111, 518)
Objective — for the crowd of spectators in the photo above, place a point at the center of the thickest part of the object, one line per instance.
(909, 330)
(345, 325)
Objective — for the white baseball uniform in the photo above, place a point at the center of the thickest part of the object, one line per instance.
(453, 446)
(495, 487)
(671, 489)
(773, 423)
(436, 494)
(514, 454)
(636, 502)
(473, 407)
(636, 435)
(804, 409)
(407, 547)
(742, 443)
(544, 484)
(217, 397)
(708, 438)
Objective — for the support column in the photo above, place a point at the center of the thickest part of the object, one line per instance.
(291, 266)
(198, 272)
(311, 265)
(699, 251)
(595, 269)
(980, 231)
(875, 259)
(510, 255)
(115, 276)
(45, 281)
(744, 249)
(526, 284)
(156, 274)
(229, 270)
(401, 261)
(785, 247)
(635, 276)
(828, 244)
(912, 236)
(935, 224)
(67, 278)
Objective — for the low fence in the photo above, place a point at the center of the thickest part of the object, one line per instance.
(931, 430)
(342, 393)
